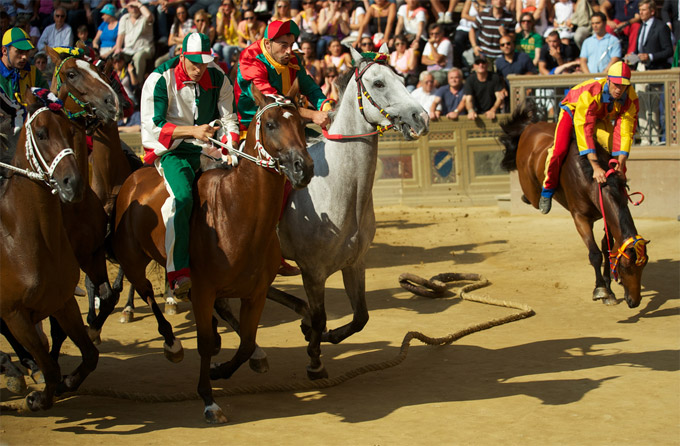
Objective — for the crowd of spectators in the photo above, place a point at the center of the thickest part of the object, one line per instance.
(454, 55)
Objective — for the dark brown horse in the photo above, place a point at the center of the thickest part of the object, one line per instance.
(526, 144)
(234, 249)
(90, 103)
(39, 269)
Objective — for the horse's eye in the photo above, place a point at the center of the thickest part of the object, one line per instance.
(41, 134)
(271, 125)
(378, 84)
(71, 74)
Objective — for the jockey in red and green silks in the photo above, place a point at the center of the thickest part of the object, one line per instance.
(271, 66)
(180, 101)
(598, 110)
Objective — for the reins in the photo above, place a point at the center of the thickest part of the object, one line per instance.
(263, 158)
(41, 170)
(640, 250)
(361, 93)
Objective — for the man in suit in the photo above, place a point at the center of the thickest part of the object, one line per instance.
(654, 48)
(670, 13)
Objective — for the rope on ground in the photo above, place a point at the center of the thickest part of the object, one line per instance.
(478, 281)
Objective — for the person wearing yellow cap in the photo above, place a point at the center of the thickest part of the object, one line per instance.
(601, 110)
(16, 74)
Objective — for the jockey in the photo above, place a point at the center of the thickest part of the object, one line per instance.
(271, 66)
(181, 102)
(16, 74)
(603, 110)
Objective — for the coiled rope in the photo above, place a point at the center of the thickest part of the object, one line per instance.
(405, 280)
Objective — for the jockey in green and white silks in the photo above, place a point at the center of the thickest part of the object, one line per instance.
(181, 99)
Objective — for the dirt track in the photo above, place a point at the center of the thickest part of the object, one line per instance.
(577, 373)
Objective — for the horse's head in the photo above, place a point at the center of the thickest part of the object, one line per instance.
(385, 98)
(629, 261)
(278, 128)
(48, 137)
(83, 88)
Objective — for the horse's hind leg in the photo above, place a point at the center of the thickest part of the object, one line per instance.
(315, 290)
(128, 313)
(98, 278)
(258, 361)
(584, 226)
(26, 334)
(354, 278)
(72, 323)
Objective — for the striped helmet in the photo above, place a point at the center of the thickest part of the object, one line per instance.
(196, 48)
(619, 73)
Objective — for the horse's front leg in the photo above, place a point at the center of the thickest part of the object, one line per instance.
(315, 289)
(584, 226)
(258, 361)
(354, 278)
(606, 271)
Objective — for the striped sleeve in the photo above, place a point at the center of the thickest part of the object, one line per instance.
(156, 130)
(585, 118)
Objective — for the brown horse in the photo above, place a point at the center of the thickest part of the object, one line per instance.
(235, 251)
(90, 103)
(39, 269)
(526, 144)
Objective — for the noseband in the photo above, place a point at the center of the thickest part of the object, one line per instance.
(640, 246)
(41, 171)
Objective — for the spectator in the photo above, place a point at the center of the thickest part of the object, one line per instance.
(380, 20)
(424, 94)
(93, 12)
(564, 10)
(313, 66)
(249, 29)
(355, 20)
(227, 32)
(513, 62)
(58, 33)
(600, 50)
(583, 11)
(329, 89)
(333, 24)
(556, 57)
(491, 24)
(203, 25)
(462, 42)
(671, 16)
(75, 13)
(107, 33)
(438, 53)
(405, 60)
(537, 9)
(211, 6)
(27, 10)
(181, 26)
(444, 15)
(449, 100)
(127, 76)
(412, 21)
(282, 11)
(83, 35)
(336, 58)
(622, 17)
(40, 62)
(135, 36)
(45, 12)
(529, 41)
(308, 22)
(9, 7)
(484, 91)
(366, 44)
(32, 31)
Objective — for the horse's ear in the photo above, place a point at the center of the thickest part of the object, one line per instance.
(356, 56)
(108, 67)
(259, 98)
(80, 44)
(384, 49)
(56, 58)
(294, 92)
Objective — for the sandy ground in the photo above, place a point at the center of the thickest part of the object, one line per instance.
(577, 373)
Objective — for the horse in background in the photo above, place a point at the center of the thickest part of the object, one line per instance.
(234, 250)
(39, 269)
(526, 144)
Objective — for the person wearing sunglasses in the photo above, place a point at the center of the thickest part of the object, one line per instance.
(333, 25)
(281, 11)
(226, 46)
(528, 40)
(57, 34)
(250, 29)
(513, 62)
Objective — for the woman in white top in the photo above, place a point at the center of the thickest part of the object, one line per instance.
(539, 9)
(412, 21)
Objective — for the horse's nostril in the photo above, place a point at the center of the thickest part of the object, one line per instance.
(298, 166)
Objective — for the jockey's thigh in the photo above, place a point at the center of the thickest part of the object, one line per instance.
(179, 171)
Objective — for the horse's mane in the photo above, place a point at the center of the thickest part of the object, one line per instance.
(513, 127)
(615, 183)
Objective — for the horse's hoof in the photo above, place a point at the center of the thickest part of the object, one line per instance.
(600, 293)
(259, 365)
(320, 373)
(34, 401)
(95, 335)
(175, 353)
(170, 309)
(611, 300)
(128, 315)
(214, 415)
(16, 384)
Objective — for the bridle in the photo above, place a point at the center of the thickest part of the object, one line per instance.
(637, 242)
(88, 111)
(361, 94)
(263, 158)
(39, 169)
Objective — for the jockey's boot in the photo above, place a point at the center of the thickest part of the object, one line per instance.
(181, 287)
(286, 269)
(544, 204)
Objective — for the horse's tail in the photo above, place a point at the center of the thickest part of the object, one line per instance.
(524, 115)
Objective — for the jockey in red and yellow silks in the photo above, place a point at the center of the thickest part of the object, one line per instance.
(602, 110)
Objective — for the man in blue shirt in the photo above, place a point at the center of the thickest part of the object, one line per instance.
(600, 50)
(513, 62)
(450, 97)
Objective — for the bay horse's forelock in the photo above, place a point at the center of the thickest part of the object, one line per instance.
(526, 146)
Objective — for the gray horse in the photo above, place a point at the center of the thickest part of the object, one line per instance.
(330, 225)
